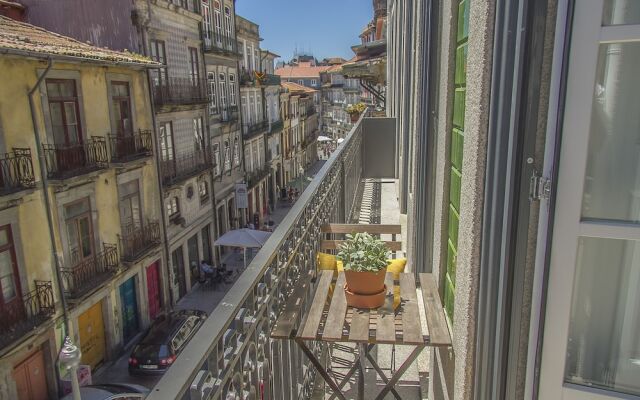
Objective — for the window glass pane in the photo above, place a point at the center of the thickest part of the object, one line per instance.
(7, 284)
(603, 347)
(612, 178)
(4, 237)
(85, 236)
(621, 12)
(53, 89)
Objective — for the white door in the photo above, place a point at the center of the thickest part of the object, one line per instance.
(591, 347)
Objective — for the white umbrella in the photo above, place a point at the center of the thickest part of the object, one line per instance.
(340, 140)
(324, 139)
(245, 238)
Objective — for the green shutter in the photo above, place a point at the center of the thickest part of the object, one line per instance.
(456, 155)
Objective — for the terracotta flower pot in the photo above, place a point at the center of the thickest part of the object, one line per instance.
(354, 117)
(365, 283)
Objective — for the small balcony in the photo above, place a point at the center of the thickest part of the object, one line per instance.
(22, 315)
(125, 148)
(276, 126)
(88, 274)
(254, 177)
(269, 80)
(136, 241)
(247, 78)
(16, 171)
(65, 161)
(180, 91)
(216, 43)
(229, 114)
(254, 128)
(185, 166)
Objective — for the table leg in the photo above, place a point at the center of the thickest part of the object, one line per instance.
(375, 366)
(320, 368)
(403, 368)
(362, 350)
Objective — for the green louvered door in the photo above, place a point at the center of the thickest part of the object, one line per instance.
(457, 144)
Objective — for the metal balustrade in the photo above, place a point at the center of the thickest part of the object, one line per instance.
(252, 129)
(213, 42)
(180, 91)
(68, 160)
(185, 166)
(131, 147)
(137, 240)
(91, 272)
(16, 171)
(232, 355)
(21, 315)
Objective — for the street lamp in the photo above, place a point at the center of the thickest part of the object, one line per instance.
(69, 360)
(301, 172)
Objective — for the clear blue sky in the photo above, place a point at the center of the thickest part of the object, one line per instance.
(326, 28)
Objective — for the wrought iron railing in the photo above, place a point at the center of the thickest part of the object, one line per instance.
(249, 130)
(218, 43)
(68, 160)
(16, 171)
(229, 114)
(276, 126)
(185, 166)
(21, 315)
(247, 78)
(91, 272)
(137, 240)
(254, 177)
(270, 80)
(232, 354)
(131, 147)
(177, 91)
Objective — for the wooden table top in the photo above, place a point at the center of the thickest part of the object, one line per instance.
(329, 318)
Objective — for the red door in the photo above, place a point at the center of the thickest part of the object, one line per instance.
(153, 289)
(31, 382)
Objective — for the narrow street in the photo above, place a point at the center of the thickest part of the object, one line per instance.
(205, 299)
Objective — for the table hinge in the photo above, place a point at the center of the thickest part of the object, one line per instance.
(539, 187)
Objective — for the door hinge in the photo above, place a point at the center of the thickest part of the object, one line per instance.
(539, 187)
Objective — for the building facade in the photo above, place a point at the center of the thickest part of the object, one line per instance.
(81, 251)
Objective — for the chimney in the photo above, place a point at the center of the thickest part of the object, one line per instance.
(13, 10)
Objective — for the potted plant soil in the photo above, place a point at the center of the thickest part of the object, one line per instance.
(364, 258)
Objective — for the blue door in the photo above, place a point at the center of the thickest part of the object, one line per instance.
(129, 309)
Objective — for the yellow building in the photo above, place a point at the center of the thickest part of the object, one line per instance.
(79, 205)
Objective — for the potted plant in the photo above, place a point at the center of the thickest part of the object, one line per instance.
(355, 110)
(364, 259)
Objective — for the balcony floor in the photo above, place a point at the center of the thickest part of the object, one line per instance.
(379, 206)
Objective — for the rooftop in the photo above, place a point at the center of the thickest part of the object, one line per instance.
(296, 88)
(26, 39)
(301, 71)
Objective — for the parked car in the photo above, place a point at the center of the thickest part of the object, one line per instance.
(111, 391)
(163, 342)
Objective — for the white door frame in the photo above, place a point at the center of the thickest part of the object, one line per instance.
(587, 35)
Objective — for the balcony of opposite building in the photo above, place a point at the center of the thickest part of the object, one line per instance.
(126, 148)
(64, 161)
(185, 166)
(180, 91)
(218, 43)
(16, 171)
(89, 272)
(255, 128)
(137, 239)
(23, 314)
(236, 353)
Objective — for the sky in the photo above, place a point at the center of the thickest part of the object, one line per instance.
(324, 28)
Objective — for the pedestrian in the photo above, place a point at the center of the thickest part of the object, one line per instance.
(283, 193)
(297, 193)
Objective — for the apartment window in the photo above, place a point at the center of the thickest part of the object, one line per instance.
(203, 190)
(79, 231)
(194, 74)
(198, 135)
(206, 20)
(228, 21)
(256, 59)
(184, 4)
(130, 210)
(166, 141)
(252, 114)
(314, 82)
(232, 89)
(227, 156)
(213, 106)
(159, 76)
(222, 79)
(64, 109)
(173, 207)
(121, 103)
(217, 21)
(9, 278)
(259, 116)
(216, 159)
(236, 152)
(300, 82)
(245, 114)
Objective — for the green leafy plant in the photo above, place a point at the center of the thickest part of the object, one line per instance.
(362, 252)
(356, 108)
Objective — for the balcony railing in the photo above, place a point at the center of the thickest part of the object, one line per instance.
(247, 78)
(249, 130)
(136, 241)
(21, 315)
(254, 177)
(180, 91)
(270, 80)
(276, 126)
(90, 272)
(232, 354)
(65, 161)
(16, 171)
(217, 43)
(131, 147)
(185, 166)
(229, 114)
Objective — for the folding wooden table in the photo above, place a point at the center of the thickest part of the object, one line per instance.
(330, 319)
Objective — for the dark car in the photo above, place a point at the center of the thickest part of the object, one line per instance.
(165, 339)
(111, 391)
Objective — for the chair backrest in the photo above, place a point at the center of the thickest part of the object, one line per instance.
(331, 232)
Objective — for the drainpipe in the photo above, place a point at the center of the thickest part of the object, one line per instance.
(47, 199)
